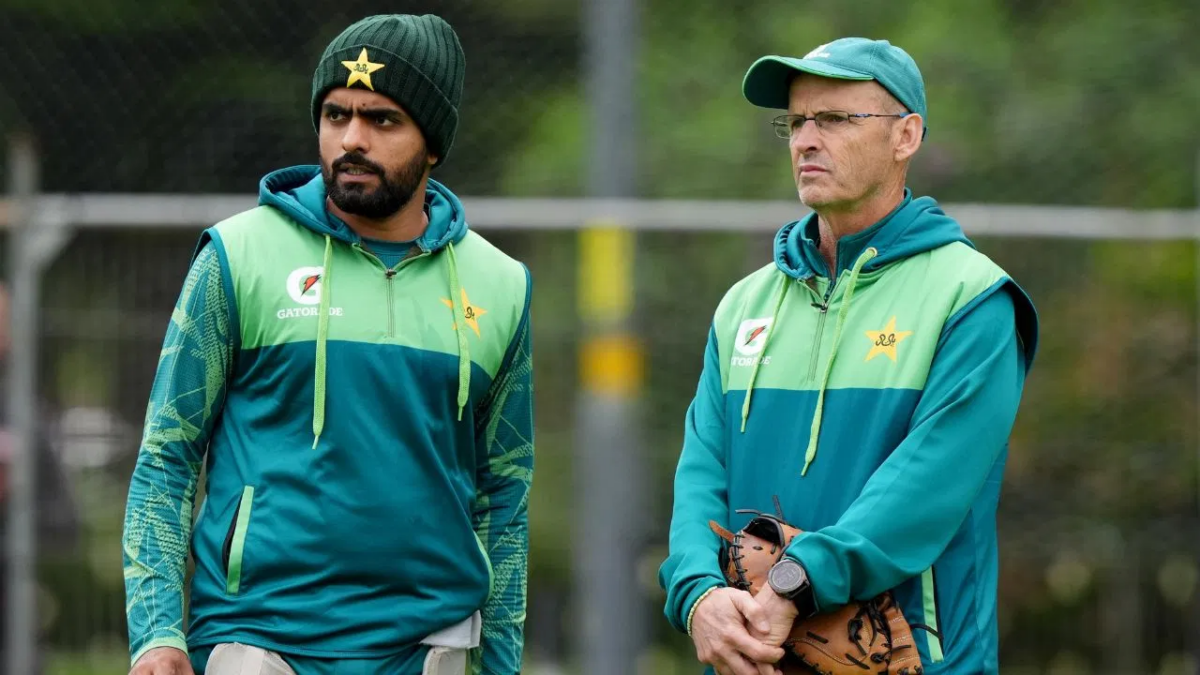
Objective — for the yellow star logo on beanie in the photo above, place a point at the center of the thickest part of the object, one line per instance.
(360, 70)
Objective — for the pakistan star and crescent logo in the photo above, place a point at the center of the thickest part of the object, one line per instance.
(360, 70)
(884, 341)
(471, 313)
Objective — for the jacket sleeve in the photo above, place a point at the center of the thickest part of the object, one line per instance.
(185, 399)
(691, 568)
(502, 501)
(917, 499)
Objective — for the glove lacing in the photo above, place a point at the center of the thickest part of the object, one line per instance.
(871, 615)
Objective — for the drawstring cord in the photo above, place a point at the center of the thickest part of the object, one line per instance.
(322, 337)
(460, 314)
(757, 361)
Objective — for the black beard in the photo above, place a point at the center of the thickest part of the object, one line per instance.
(394, 192)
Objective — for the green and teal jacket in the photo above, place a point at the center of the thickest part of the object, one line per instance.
(364, 415)
(875, 402)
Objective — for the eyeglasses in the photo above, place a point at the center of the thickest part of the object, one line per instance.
(828, 121)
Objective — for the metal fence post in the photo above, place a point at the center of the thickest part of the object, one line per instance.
(20, 636)
(34, 241)
(609, 464)
(1194, 632)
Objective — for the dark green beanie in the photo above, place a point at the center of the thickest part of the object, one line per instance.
(416, 61)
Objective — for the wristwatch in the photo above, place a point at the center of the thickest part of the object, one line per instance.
(789, 579)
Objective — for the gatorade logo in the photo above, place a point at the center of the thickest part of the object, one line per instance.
(752, 336)
(304, 287)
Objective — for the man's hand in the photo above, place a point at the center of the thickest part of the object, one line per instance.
(163, 661)
(723, 640)
(780, 614)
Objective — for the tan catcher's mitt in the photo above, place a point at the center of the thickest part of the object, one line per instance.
(858, 638)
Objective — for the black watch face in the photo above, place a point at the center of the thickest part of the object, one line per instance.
(787, 576)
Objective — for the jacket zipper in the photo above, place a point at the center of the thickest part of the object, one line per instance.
(822, 306)
(389, 275)
(823, 311)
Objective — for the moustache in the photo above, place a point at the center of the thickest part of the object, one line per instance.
(357, 161)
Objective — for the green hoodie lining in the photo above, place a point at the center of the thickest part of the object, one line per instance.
(464, 350)
(811, 452)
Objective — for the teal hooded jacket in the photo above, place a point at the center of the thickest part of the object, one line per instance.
(875, 403)
(364, 413)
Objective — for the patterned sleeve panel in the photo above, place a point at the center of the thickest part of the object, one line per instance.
(501, 514)
(188, 391)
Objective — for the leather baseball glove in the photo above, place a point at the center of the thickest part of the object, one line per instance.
(858, 638)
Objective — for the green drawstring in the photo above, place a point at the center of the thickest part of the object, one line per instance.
(811, 453)
(754, 369)
(322, 336)
(460, 314)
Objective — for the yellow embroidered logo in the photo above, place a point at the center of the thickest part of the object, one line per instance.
(360, 70)
(884, 341)
(471, 313)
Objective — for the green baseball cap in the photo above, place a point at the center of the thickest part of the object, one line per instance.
(766, 82)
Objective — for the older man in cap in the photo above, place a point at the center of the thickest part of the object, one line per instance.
(867, 377)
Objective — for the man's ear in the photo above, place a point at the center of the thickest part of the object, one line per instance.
(431, 159)
(909, 135)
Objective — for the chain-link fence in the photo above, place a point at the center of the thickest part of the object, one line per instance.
(1030, 102)
(191, 96)
(1099, 512)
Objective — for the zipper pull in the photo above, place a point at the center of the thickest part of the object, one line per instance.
(812, 286)
(388, 274)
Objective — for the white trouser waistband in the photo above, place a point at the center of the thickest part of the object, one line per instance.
(462, 635)
(448, 655)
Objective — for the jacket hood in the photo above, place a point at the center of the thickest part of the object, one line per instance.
(299, 191)
(915, 226)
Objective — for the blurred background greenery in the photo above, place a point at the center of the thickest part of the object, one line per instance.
(1034, 102)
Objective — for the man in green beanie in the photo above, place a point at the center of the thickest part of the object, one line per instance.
(863, 383)
(352, 366)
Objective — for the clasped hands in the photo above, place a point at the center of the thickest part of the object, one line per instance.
(741, 634)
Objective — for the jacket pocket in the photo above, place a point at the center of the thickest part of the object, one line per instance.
(933, 623)
(487, 561)
(235, 541)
